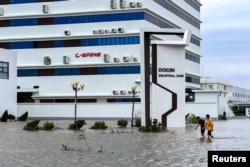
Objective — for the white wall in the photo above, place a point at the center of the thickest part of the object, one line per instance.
(8, 88)
(86, 111)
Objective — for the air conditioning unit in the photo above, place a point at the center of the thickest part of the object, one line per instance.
(122, 4)
(67, 32)
(66, 59)
(115, 92)
(106, 58)
(116, 60)
(121, 30)
(47, 60)
(139, 4)
(106, 31)
(130, 92)
(123, 92)
(45, 9)
(113, 4)
(126, 59)
(135, 59)
(1, 11)
(101, 31)
(114, 30)
(95, 31)
(132, 4)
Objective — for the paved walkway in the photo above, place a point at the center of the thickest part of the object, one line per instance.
(116, 147)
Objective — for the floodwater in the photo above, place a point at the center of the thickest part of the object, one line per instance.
(116, 147)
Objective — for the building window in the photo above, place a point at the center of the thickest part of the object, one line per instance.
(210, 86)
(4, 70)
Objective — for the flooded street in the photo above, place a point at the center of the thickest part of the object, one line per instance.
(113, 147)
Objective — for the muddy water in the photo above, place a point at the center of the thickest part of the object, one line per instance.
(116, 147)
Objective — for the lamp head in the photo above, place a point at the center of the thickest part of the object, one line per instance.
(133, 87)
(82, 85)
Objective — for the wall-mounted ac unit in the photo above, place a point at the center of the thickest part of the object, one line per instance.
(139, 4)
(126, 59)
(1, 11)
(135, 59)
(116, 60)
(101, 31)
(122, 4)
(123, 92)
(106, 31)
(114, 30)
(106, 58)
(67, 32)
(121, 30)
(113, 4)
(115, 92)
(47, 60)
(45, 9)
(95, 31)
(132, 4)
(130, 92)
(66, 59)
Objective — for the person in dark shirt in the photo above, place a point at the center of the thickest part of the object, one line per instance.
(201, 123)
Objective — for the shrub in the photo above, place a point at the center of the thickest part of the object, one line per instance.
(99, 125)
(122, 123)
(5, 116)
(138, 122)
(192, 119)
(154, 127)
(23, 117)
(48, 125)
(11, 117)
(32, 125)
(78, 125)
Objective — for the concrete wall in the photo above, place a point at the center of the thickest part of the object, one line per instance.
(8, 88)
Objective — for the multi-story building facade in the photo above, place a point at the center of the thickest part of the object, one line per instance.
(96, 42)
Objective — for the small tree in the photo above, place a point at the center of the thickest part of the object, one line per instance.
(99, 125)
(23, 117)
(5, 116)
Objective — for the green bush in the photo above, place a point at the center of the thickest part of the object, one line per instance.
(138, 122)
(122, 123)
(192, 119)
(11, 117)
(99, 125)
(48, 125)
(78, 125)
(154, 127)
(5, 116)
(23, 117)
(32, 125)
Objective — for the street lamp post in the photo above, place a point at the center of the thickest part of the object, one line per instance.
(133, 88)
(76, 88)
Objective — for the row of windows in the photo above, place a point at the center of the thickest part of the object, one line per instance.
(192, 58)
(74, 19)
(79, 71)
(178, 12)
(4, 2)
(241, 95)
(192, 80)
(193, 4)
(91, 18)
(89, 71)
(72, 43)
(4, 70)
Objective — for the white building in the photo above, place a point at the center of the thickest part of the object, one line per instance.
(8, 82)
(96, 42)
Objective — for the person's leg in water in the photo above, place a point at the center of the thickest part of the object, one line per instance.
(209, 136)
